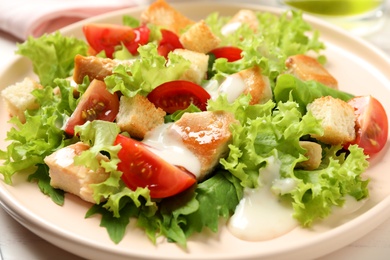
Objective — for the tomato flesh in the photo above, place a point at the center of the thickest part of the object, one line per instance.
(142, 34)
(96, 103)
(228, 52)
(178, 95)
(106, 37)
(169, 42)
(143, 168)
(371, 124)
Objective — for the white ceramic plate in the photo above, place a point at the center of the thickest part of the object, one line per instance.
(359, 68)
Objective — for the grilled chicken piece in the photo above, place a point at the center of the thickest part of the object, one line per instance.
(94, 67)
(75, 179)
(207, 135)
(307, 68)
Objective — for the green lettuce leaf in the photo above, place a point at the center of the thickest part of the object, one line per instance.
(100, 136)
(41, 134)
(322, 189)
(119, 208)
(275, 39)
(270, 130)
(147, 72)
(57, 51)
(304, 92)
(41, 176)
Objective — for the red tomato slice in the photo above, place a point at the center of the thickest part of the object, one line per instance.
(105, 37)
(169, 42)
(142, 34)
(228, 52)
(178, 95)
(143, 168)
(371, 123)
(96, 103)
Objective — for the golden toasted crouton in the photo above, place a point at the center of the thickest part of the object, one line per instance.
(199, 64)
(75, 179)
(257, 85)
(337, 119)
(137, 115)
(199, 38)
(307, 68)
(94, 67)
(243, 16)
(313, 153)
(164, 15)
(19, 98)
(207, 135)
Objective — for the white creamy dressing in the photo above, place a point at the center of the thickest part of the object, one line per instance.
(233, 86)
(230, 28)
(260, 215)
(350, 206)
(166, 143)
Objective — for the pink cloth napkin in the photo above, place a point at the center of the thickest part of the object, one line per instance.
(22, 18)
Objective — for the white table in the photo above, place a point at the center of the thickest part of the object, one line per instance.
(16, 242)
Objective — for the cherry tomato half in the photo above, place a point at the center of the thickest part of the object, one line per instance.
(96, 103)
(143, 168)
(371, 124)
(105, 37)
(178, 95)
(169, 42)
(228, 52)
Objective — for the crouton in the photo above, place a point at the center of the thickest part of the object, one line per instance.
(307, 68)
(75, 179)
(19, 98)
(249, 81)
(313, 154)
(94, 67)
(199, 65)
(164, 15)
(337, 119)
(199, 38)
(137, 115)
(207, 135)
(243, 16)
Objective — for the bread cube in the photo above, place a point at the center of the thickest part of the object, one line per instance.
(19, 97)
(137, 115)
(200, 38)
(199, 64)
(337, 119)
(164, 15)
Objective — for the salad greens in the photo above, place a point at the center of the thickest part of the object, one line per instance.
(287, 85)
(58, 53)
(274, 128)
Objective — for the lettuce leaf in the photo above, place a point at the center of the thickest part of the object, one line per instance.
(321, 189)
(57, 51)
(192, 211)
(41, 134)
(268, 130)
(304, 92)
(147, 72)
(263, 129)
(275, 39)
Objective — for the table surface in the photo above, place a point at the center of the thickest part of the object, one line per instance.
(17, 242)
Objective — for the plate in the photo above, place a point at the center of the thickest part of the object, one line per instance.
(360, 69)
